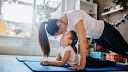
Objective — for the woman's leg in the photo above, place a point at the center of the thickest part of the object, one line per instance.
(111, 39)
(107, 46)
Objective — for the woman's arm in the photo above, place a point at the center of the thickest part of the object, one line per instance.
(61, 62)
(83, 44)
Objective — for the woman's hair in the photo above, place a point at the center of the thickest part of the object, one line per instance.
(51, 28)
(74, 40)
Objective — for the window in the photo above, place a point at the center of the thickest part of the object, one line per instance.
(46, 9)
(17, 12)
(22, 15)
(18, 15)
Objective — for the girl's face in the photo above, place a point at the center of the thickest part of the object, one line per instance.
(62, 27)
(66, 39)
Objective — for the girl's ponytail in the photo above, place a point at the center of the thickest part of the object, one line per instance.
(74, 41)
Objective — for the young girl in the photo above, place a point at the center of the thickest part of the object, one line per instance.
(67, 53)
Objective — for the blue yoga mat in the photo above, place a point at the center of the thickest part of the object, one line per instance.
(36, 67)
(35, 59)
(118, 67)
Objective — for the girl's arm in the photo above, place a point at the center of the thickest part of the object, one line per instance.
(83, 44)
(61, 62)
(58, 57)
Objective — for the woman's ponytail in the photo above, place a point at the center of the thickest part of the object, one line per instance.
(51, 28)
(43, 40)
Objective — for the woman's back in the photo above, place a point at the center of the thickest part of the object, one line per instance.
(93, 27)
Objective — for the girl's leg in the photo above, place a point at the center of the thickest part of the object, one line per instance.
(94, 63)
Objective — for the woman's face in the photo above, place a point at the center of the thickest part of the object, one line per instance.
(62, 27)
(66, 39)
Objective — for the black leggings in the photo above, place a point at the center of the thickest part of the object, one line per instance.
(95, 63)
(112, 40)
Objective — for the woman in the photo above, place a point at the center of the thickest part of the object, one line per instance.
(84, 25)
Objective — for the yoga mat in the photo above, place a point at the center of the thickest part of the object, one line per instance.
(118, 67)
(36, 67)
(35, 59)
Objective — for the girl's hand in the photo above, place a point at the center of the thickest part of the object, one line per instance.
(77, 67)
(45, 63)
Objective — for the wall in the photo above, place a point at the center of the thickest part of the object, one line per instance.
(114, 17)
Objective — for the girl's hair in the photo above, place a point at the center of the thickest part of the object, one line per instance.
(74, 40)
(51, 28)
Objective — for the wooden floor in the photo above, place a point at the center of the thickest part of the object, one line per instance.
(10, 64)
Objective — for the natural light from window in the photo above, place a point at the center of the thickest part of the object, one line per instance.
(17, 13)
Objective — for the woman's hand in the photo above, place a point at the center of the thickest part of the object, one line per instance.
(45, 63)
(77, 67)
